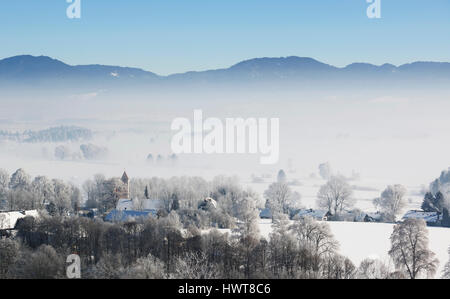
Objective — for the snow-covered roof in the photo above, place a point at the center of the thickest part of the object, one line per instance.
(8, 220)
(375, 216)
(121, 216)
(145, 204)
(208, 203)
(429, 217)
(318, 214)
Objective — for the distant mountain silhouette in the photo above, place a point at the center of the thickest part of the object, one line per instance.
(42, 67)
(28, 69)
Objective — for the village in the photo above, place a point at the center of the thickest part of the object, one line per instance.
(132, 209)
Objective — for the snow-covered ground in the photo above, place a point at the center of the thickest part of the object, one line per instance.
(359, 240)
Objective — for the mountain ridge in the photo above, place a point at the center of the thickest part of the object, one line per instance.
(39, 69)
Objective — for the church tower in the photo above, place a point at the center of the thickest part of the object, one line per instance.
(126, 181)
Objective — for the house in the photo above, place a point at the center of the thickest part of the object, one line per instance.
(265, 214)
(431, 218)
(372, 217)
(321, 215)
(125, 204)
(88, 213)
(8, 220)
(207, 204)
(125, 215)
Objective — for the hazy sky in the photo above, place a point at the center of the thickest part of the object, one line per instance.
(167, 36)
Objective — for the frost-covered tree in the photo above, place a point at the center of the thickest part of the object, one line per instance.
(93, 152)
(409, 249)
(278, 198)
(19, 200)
(281, 177)
(248, 229)
(75, 198)
(325, 170)
(20, 180)
(110, 266)
(438, 184)
(62, 152)
(149, 267)
(392, 202)
(283, 247)
(335, 195)
(61, 196)
(43, 190)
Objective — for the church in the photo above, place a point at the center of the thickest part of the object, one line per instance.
(126, 203)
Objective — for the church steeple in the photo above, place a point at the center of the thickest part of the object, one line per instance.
(126, 181)
(125, 178)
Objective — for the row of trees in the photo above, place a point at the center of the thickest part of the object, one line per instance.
(336, 196)
(160, 248)
(56, 134)
(22, 192)
(86, 151)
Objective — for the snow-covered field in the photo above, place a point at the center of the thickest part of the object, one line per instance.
(359, 240)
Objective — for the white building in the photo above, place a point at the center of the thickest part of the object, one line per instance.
(138, 204)
(8, 220)
(431, 218)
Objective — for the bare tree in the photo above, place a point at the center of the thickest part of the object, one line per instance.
(315, 236)
(195, 266)
(372, 269)
(337, 266)
(335, 195)
(409, 249)
(392, 201)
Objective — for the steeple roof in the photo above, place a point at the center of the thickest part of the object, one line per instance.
(125, 178)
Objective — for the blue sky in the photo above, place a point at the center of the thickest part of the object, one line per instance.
(169, 36)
